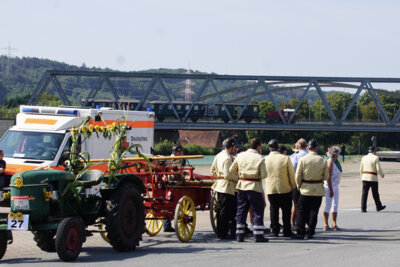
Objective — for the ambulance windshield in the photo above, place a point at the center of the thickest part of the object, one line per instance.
(31, 145)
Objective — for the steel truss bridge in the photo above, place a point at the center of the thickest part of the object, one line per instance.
(253, 87)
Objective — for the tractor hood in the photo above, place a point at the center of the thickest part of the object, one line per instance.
(41, 177)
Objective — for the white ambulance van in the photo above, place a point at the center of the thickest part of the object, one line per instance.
(42, 134)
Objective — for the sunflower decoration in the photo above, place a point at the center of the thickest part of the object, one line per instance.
(11, 215)
(47, 195)
(18, 182)
(79, 135)
(120, 147)
(19, 216)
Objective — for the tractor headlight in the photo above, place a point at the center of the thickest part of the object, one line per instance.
(55, 195)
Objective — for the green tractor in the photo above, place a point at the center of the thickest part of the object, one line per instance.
(59, 206)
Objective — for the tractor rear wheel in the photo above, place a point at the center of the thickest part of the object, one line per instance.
(3, 243)
(69, 238)
(45, 240)
(125, 218)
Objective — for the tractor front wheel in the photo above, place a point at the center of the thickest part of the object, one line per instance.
(125, 218)
(69, 238)
(45, 240)
(3, 243)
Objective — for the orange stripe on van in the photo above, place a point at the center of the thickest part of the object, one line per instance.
(12, 169)
(41, 121)
(136, 124)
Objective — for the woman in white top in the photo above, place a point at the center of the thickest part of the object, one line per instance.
(332, 190)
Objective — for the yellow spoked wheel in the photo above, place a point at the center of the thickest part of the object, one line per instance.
(213, 210)
(153, 226)
(185, 219)
(103, 234)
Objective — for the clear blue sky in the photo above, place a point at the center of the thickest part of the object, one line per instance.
(318, 38)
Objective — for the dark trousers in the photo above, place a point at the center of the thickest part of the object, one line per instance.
(283, 202)
(226, 212)
(244, 200)
(295, 196)
(308, 207)
(375, 194)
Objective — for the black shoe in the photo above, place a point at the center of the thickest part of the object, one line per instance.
(275, 234)
(261, 239)
(363, 211)
(169, 229)
(240, 238)
(297, 236)
(310, 236)
(267, 231)
(248, 231)
(287, 234)
(226, 238)
(381, 208)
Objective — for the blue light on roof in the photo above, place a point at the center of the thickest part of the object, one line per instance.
(30, 110)
(73, 112)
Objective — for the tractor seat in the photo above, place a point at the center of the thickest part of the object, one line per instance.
(90, 178)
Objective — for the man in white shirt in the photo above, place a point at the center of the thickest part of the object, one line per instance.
(369, 169)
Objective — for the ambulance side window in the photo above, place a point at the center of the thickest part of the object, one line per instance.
(67, 145)
(65, 152)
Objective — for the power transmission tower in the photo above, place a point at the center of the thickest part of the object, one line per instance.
(188, 86)
(9, 55)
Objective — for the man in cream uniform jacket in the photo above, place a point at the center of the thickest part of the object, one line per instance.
(312, 171)
(250, 191)
(278, 172)
(226, 188)
(369, 169)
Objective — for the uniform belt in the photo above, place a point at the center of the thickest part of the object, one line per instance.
(311, 181)
(374, 173)
(249, 179)
(219, 178)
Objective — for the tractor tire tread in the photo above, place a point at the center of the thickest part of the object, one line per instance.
(115, 234)
(45, 240)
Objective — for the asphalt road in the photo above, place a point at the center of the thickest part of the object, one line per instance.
(367, 239)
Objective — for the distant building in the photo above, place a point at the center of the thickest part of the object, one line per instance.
(201, 138)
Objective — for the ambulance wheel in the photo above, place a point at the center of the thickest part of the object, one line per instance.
(213, 210)
(125, 218)
(185, 219)
(3, 243)
(69, 238)
(45, 240)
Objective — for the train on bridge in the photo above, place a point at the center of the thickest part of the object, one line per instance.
(201, 111)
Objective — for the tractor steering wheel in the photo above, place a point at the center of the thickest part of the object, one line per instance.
(72, 165)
